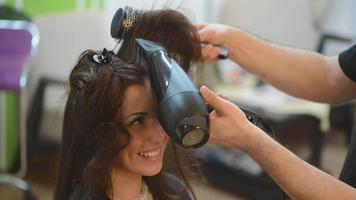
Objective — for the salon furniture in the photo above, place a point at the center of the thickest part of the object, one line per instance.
(18, 42)
(46, 111)
(47, 83)
(292, 118)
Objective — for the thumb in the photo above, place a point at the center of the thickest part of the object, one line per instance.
(212, 99)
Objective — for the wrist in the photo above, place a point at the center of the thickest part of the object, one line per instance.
(241, 138)
(258, 139)
(235, 41)
(253, 139)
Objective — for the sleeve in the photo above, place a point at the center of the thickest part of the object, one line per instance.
(347, 61)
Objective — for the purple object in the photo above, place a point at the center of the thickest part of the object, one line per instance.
(15, 52)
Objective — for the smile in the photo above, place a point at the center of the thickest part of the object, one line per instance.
(150, 154)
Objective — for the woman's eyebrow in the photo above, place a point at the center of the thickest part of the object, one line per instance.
(136, 113)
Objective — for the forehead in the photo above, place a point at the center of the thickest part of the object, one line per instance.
(138, 98)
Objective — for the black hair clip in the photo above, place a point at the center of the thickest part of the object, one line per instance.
(102, 57)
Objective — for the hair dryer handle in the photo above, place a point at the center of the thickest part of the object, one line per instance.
(255, 119)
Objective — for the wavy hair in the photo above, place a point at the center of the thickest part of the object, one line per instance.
(90, 140)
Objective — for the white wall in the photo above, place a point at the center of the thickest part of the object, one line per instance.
(62, 38)
(288, 22)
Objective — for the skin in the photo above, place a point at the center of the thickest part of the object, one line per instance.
(310, 75)
(300, 180)
(144, 154)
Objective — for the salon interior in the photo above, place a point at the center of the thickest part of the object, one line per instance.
(33, 83)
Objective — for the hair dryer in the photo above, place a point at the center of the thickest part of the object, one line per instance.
(182, 111)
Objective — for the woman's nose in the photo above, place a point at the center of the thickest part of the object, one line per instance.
(158, 135)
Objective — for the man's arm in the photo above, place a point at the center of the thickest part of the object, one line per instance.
(301, 73)
(297, 178)
(300, 180)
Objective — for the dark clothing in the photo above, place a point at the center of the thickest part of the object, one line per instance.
(172, 186)
(348, 173)
(83, 193)
(347, 61)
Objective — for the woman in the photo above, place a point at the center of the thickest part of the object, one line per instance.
(113, 144)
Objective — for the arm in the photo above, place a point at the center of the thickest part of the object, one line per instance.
(229, 127)
(297, 72)
(298, 179)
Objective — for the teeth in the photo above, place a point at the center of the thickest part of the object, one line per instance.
(149, 153)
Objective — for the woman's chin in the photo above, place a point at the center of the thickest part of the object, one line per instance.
(152, 172)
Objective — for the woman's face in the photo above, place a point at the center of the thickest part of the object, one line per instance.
(144, 153)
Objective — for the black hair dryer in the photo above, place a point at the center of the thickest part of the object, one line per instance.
(182, 111)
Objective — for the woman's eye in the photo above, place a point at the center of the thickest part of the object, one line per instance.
(137, 121)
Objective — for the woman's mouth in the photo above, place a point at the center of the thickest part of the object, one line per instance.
(150, 154)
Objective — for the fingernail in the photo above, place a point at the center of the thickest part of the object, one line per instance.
(203, 89)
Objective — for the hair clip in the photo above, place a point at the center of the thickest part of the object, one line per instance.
(123, 21)
(102, 57)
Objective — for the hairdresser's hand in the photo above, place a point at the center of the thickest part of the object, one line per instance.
(217, 34)
(228, 124)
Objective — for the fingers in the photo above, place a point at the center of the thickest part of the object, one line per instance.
(212, 99)
(223, 96)
(205, 33)
(210, 53)
(208, 36)
(200, 26)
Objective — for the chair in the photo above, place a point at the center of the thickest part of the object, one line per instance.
(18, 42)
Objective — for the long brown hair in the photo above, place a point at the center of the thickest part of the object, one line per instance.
(90, 137)
(89, 142)
(181, 39)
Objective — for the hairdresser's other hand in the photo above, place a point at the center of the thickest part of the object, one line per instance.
(228, 124)
(217, 34)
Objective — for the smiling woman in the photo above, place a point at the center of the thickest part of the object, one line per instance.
(113, 145)
(144, 154)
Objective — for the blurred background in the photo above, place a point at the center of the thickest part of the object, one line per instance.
(40, 41)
